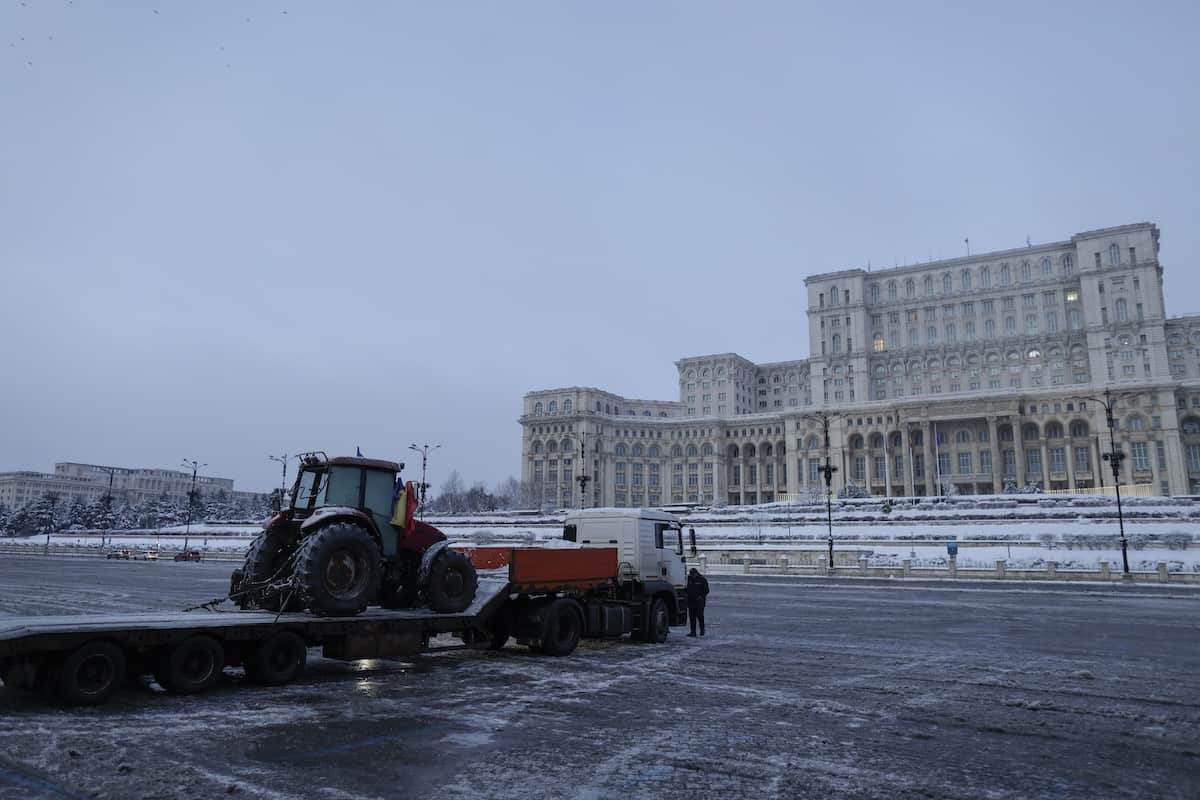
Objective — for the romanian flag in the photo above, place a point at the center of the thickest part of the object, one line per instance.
(404, 504)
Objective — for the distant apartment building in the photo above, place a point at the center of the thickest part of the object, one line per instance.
(89, 482)
(957, 375)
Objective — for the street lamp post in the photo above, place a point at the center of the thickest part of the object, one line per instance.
(424, 450)
(195, 465)
(827, 471)
(583, 478)
(1114, 457)
(283, 459)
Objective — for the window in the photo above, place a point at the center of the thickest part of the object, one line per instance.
(947, 284)
(878, 343)
(965, 279)
(1114, 255)
(1005, 275)
(985, 462)
(1122, 309)
(928, 285)
(1026, 271)
(1140, 460)
(1083, 459)
(1193, 457)
(837, 343)
(1058, 459)
(964, 463)
(1068, 264)
(833, 296)
(910, 288)
(892, 290)
(1047, 267)
(874, 292)
(985, 277)
(1033, 463)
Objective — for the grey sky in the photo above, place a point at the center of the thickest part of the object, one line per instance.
(228, 230)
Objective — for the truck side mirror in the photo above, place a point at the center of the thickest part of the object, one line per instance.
(692, 541)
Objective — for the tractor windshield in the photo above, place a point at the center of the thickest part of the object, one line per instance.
(309, 491)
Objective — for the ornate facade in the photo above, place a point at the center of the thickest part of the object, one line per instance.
(949, 376)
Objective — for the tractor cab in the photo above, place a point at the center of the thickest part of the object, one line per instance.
(366, 484)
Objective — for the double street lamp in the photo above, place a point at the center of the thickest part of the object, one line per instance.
(195, 465)
(424, 450)
(827, 471)
(1114, 457)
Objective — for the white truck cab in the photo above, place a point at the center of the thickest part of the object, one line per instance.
(649, 543)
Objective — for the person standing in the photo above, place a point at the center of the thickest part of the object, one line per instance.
(697, 594)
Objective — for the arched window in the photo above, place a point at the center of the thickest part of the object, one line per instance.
(965, 279)
(733, 451)
(897, 441)
(551, 446)
(691, 451)
(877, 441)
(780, 448)
(537, 409)
(892, 290)
(1047, 267)
(566, 406)
(1054, 430)
(638, 452)
(1114, 255)
(985, 277)
(947, 284)
(910, 288)
(917, 438)
(706, 450)
(599, 406)
(677, 452)
(833, 296)
(856, 442)
(552, 408)
(928, 285)
(535, 447)
(1122, 309)
(813, 443)
(1079, 429)
(1026, 271)
(1135, 423)
(749, 452)
(1005, 275)
(1030, 432)
(653, 451)
(1068, 264)
(874, 292)
(620, 450)
(1005, 433)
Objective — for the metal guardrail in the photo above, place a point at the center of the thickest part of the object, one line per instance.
(102, 553)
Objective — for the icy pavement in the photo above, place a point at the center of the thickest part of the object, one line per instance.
(800, 690)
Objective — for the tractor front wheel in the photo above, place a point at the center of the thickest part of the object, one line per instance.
(266, 568)
(452, 582)
(339, 570)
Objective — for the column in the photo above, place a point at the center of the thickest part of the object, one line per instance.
(1045, 463)
(994, 445)
(1019, 446)
(1069, 444)
(720, 494)
(931, 488)
(906, 453)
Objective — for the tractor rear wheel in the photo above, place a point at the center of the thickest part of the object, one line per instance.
(452, 582)
(266, 564)
(339, 570)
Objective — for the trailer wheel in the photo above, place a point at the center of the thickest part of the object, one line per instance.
(658, 622)
(562, 627)
(278, 660)
(90, 674)
(339, 568)
(192, 666)
(452, 582)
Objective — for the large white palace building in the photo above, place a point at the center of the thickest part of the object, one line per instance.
(969, 372)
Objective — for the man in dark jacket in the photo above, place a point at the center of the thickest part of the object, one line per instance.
(697, 593)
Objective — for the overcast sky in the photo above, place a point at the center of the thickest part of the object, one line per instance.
(234, 229)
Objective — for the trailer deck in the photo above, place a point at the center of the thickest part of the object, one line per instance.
(19, 635)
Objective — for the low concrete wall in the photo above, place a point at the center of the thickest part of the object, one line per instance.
(747, 561)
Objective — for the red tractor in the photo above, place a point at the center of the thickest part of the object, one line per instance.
(350, 539)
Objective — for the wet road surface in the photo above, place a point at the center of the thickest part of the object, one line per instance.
(802, 689)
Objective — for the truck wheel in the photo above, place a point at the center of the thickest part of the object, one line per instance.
(561, 627)
(90, 674)
(339, 570)
(658, 622)
(452, 582)
(278, 660)
(192, 666)
(266, 562)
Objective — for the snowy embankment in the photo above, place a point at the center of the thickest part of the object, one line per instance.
(1076, 533)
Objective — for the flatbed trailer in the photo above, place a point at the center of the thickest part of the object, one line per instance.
(546, 598)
